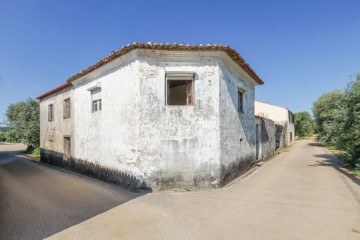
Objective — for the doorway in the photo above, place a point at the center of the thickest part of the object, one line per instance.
(67, 149)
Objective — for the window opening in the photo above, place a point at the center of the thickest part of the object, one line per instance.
(51, 112)
(180, 89)
(240, 101)
(96, 105)
(67, 108)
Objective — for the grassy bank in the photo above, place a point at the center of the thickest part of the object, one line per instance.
(33, 153)
(345, 159)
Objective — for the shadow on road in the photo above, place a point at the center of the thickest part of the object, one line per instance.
(37, 201)
(330, 160)
(316, 144)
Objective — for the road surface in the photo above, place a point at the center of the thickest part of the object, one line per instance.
(37, 201)
(299, 194)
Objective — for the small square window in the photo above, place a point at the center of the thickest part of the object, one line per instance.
(180, 89)
(67, 108)
(96, 105)
(51, 112)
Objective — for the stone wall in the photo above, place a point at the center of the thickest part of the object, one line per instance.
(267, 137)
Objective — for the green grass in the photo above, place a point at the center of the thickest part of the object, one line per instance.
(33, 153)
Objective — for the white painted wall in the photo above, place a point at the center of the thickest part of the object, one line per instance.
(52, 132)
(137, 134)
(279, 115)
(237, 137)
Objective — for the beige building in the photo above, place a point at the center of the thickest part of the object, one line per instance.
(284, 122)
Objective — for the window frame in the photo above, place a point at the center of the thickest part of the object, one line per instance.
(65, 116)
(291, 117)
(240, 102)
(51, 112)
(98, 105)
(189, 77)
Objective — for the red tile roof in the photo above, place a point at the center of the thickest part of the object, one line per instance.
(62, 86)
(172, 47)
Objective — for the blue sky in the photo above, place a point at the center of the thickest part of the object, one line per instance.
(301, 49)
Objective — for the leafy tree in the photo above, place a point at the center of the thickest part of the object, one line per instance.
(23, 122)
(2, 136)
(330, 116)
(337, 117)
(303, 124)
(351, 136)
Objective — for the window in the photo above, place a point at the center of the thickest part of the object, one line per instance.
(51, 112)
(180, 89)
(67, 148)
(240, 101)
(67, 108)
(291, 118)
(96, 105)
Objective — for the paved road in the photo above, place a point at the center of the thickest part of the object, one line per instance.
(37, 201)
(300, 194)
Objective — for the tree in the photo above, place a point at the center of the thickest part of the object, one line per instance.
(23, 122)
(337, 117)
(351, 136)
(330, 116)
(2, 136)
(304, 126)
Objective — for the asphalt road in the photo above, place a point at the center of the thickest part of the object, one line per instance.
(300, 194)
(37, 201)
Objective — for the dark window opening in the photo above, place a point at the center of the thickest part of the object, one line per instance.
(180, 92)
(51, 112)
(291, 117)
(240, 101)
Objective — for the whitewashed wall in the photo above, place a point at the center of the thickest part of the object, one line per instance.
(279, 115)
(141, 138)
(53, 132)
(138, 134)
(237, 130)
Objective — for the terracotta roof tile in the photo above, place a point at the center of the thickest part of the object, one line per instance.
(172, 47)
(160, 46)
(58, 88)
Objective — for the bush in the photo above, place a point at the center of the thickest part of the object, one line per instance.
(23, 122)
(304, 125)
(337, 117)
(2, 137)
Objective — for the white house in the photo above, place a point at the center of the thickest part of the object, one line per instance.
(284, 122)
(156, 116)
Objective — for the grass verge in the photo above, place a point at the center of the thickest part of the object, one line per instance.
(345, 159)
(33, 153)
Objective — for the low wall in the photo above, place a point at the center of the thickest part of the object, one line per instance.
(267, 137)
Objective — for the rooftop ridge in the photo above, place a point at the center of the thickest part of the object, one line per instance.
(232, 53)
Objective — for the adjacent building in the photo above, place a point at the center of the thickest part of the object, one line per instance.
(283, 119)
(155, 116)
